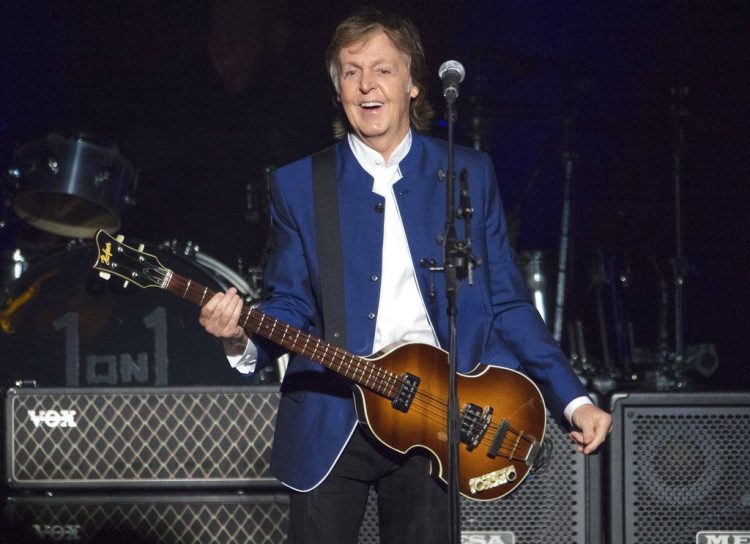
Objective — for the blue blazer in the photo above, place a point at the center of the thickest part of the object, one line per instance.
(497, 324)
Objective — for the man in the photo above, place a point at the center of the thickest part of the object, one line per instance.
(391, 206)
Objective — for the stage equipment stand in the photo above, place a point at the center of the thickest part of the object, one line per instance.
(672, 373)
(562, 267)
(459, 263)
(680, 265)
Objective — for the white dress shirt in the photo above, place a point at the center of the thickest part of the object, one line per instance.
(401, 311)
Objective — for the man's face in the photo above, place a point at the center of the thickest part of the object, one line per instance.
(376, 91)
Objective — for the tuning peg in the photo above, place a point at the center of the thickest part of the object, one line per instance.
(120, 238)
(125, 284)
(105, 275)
(141, 247)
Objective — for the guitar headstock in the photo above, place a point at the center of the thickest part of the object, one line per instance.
(132, 265)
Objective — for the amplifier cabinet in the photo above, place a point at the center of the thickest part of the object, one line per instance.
(678, 467)
(151, 437)
(154, 519)
(559, 504)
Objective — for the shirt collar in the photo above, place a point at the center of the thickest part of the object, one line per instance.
(370, 159)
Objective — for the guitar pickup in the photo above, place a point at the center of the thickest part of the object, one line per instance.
(406, 394)
(474, 424)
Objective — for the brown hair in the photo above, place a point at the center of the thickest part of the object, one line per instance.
(405, 38)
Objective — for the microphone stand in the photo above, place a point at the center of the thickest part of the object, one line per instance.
(458, 264)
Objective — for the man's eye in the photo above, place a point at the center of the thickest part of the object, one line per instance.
(349, 73)
(384, 71)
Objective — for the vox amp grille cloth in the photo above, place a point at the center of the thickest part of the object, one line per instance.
(152, 519)
(679, 466)
(561, 504)
(150, 437)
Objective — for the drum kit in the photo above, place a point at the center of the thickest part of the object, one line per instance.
(623, 309)
(60, 325)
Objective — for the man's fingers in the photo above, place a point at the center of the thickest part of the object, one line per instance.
(593, 426)
(219, 316)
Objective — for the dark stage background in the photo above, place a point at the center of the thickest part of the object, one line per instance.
(202, 97)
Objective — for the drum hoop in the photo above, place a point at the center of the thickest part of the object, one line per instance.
(227, 273)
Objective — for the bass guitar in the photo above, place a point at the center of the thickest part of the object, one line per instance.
(401, 393)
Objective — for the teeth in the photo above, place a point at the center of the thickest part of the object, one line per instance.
(371, 104)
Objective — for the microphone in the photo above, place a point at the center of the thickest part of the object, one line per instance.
(452, 73)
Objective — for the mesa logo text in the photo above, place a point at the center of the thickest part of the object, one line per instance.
(53, 418)
(723, 537)
(488, 537)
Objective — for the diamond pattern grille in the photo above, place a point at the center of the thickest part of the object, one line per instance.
(141, 437)
(156, 520)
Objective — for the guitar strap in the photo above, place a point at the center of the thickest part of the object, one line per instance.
(328, 243)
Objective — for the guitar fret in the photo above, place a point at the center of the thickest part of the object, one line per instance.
(187, 288)
(247, 316)
(205, 290)
(391, 389)
(349, 363)
(260, 323)
(317, 346)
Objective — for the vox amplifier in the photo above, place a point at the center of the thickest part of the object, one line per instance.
(150, 437)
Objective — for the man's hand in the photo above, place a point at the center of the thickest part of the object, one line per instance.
(220, 317)
(592, 425)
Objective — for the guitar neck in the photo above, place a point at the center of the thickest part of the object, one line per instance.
(353, 367)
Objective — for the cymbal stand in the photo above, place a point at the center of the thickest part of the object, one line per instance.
(562, 267)
(671, 373)
(679, 265)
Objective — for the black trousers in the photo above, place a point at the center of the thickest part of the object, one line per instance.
(412, 505)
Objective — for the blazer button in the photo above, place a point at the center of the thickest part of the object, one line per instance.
(371, 315)
(374, 277)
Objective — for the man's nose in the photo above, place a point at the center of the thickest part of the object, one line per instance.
(366, 82)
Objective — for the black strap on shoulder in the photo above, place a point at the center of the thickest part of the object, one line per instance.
(328, 242)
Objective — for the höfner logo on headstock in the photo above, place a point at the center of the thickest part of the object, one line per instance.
(722, 537)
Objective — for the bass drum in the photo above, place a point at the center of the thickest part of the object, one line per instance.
(61, 325)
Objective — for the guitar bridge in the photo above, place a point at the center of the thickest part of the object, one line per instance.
(406, 394)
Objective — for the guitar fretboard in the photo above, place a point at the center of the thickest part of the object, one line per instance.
(353, 367)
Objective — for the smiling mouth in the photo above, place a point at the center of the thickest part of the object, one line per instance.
(371, 105)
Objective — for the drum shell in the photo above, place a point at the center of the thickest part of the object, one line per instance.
(62, 325)
(71, 187)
